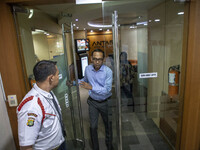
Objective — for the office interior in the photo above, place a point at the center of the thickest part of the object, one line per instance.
(154, 35)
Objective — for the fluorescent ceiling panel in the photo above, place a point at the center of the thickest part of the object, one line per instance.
(88, 1)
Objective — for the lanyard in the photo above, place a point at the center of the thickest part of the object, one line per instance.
(56, 109)
(59, 113)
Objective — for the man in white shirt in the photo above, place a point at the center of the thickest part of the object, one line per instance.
(40, 124)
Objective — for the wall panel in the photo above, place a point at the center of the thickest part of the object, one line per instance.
(10, 63)
(190, 137)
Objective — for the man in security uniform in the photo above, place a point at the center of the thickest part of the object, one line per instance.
(40, 124)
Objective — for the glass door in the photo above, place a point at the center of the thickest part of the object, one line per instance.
(147, 49)
(47, 40)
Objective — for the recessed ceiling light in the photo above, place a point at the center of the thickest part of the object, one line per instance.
(150, 20)
(107, 30)
(83, 28)
(100, 29)
(76, 19)
(157, 20)
(99, 25)
(77, 27)
(132, 27)
(91, 30)
(181, 13)
(141, 23)
(74, 24)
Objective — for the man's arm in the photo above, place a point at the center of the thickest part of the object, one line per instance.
(85, 85)
(26, 147)
(73, 83)
(29, 123)
(108, 84)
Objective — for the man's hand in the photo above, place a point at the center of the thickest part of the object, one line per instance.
(85, 85)
(69, 83)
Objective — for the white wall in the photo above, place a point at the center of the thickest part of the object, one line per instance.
(41, 46)
(44, 22)
(6, 137)
(55, 45)
(38, 21)
(164, 50)
(134, 42)
(165, 43)
(27, 42)
(129, 42)
(142, 53)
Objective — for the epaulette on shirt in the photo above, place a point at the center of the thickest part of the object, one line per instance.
(42, 108)
(39, 103)
(24, 102)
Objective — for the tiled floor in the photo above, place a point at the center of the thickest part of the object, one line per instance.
(138, 131)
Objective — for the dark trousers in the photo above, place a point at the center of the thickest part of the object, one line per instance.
(63, 146)
(94, 109)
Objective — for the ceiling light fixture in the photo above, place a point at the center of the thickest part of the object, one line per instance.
(76, 19)
(133, 27)
(31, 13)
(100, 29)
(107, 30)
(46, 33)
(38, 30)
(157, 20)
(99, 25)
(88, 1)
(180, 13)
(74, 24)
(141, 23)
(91, 30)
(77, 27)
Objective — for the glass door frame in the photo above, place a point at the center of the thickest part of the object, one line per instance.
(117, 77)
(82, 140)
(18, 9)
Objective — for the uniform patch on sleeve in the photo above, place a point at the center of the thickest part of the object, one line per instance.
(32, 114)
(30, 122)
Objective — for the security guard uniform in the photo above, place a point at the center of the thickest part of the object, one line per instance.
(38, 121)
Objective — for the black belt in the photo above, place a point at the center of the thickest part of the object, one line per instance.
(99, 101)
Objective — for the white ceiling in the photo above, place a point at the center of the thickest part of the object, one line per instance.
(128, 11)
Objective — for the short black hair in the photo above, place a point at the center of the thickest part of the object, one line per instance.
(123, 54)
(98, 50)
(43, 69)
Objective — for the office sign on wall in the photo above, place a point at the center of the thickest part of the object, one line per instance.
(148, 75)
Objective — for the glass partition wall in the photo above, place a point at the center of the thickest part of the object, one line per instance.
(150, 39)
(47, 41)
(142, 41)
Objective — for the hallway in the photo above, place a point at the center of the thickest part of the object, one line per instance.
(138, 131)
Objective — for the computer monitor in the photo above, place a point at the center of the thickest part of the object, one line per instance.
(84, 63)
(82, 45)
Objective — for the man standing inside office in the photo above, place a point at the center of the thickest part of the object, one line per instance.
(98, 80)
